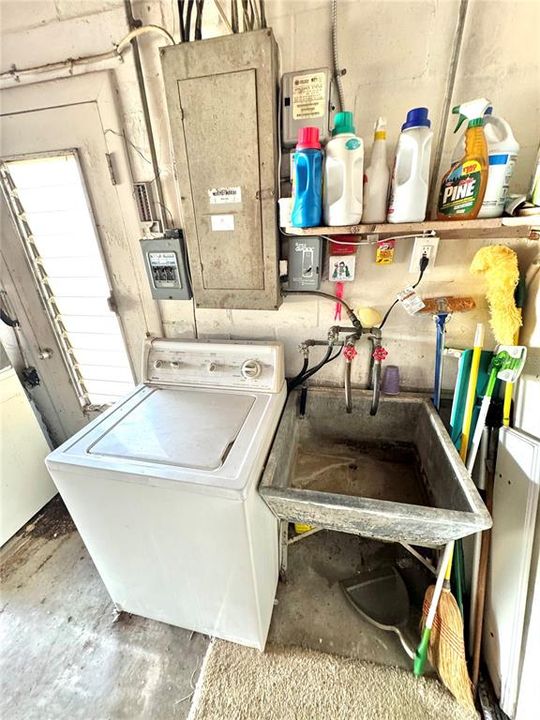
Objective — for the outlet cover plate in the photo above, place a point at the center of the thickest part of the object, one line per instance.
(423, 245)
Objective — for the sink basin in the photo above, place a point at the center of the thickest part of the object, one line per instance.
(395, 476)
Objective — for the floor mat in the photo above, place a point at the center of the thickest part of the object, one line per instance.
(289, 683)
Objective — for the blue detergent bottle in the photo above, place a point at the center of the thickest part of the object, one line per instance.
(307, 181)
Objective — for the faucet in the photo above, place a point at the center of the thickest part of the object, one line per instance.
(378, 354)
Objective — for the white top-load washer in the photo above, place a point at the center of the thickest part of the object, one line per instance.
(163, 488)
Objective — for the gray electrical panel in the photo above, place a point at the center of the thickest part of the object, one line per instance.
(304, 263)
(221, 95)
(165, 262)
(307, 98)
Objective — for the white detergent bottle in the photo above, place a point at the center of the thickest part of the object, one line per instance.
(410, 177)
(503, 149)
(343, 174)
(377, 178)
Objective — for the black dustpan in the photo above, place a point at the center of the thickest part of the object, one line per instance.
(381, 598)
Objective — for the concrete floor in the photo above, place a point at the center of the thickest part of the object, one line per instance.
(65, 653)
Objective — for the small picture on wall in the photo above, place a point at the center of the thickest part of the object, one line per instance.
(341, 268)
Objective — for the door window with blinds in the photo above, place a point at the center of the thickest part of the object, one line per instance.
(49, 201)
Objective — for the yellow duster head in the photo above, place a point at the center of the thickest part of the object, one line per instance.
(499, 266)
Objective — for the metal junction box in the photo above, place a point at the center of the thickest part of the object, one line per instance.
(221, 96)
(165, 264)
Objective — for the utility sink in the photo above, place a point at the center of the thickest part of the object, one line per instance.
(395, 476)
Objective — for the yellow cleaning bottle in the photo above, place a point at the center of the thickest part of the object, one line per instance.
(464, 185)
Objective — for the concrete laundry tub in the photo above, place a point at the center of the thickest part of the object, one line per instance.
(395, 476)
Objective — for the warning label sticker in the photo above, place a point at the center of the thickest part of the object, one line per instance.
(309, 96)
(225, 195)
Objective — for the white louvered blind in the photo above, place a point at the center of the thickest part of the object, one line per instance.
(49, 200)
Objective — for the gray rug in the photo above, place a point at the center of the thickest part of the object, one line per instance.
(289, 683)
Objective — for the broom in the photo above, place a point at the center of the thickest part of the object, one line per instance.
(446, 646)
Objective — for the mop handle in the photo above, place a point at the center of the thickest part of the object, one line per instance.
(482, 417)
(440, 323)
(444, 569)
(471, 390)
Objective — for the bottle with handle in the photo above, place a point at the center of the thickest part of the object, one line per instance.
(343, 174)
(307, 179)
(503, 149)
(377, 178)
(410, 176)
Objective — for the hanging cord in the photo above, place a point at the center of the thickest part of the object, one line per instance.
(350, 313)
(424, 262)
(125, 41)
(234, 16)
(188, 19)
(223, 15)
(198, 20)
(337, 71)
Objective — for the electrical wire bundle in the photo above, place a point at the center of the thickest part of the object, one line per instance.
(185, 12)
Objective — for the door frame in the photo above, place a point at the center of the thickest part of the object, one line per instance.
(141, 315)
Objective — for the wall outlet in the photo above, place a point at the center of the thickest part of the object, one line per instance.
(423, 246)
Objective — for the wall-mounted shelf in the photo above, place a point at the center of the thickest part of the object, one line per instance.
(503, 227)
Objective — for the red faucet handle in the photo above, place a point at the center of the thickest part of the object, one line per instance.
(349, 352)
(380, 354)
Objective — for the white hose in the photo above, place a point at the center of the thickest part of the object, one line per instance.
(124, 42)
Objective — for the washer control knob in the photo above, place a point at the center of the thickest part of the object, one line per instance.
(211, 367)
(157, 364)
(251, 369)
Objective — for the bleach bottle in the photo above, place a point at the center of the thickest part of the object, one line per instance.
(503, 150)
(410, 177)
(307, 179)
(343, 173)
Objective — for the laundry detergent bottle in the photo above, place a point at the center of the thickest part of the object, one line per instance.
(410, 176)
(343, 173)
(307, 179)
(464, 185)
(377, 178)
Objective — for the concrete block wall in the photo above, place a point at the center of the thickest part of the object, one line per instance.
(396, 54)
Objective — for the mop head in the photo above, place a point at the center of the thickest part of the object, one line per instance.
(498, 264)
(447, 647)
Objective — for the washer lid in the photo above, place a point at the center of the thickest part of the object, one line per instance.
(181, 427)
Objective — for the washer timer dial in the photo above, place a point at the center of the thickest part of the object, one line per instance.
(251, 369)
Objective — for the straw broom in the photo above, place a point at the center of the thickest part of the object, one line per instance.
(447, 647)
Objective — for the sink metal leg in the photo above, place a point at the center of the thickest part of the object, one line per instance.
(283, 549)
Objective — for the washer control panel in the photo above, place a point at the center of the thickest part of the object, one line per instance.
(255, 365)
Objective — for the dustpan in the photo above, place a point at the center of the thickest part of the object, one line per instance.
(380, 596)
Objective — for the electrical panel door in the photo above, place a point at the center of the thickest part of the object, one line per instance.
(221, 95)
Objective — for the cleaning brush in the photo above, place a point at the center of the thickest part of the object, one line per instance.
(447, 646)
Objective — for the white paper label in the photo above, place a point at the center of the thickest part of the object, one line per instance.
(225, 195)
(309, 96)
(222, 223)
(412, 302)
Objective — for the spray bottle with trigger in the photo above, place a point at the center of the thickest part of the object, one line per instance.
(464, 185)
